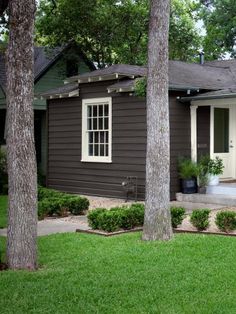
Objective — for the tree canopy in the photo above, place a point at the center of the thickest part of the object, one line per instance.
(111, 31)
(219, 17)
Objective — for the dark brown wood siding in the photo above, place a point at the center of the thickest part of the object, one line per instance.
(65, 170)
(203, 131)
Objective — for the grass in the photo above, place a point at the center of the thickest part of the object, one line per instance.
(90, 274)
(3, 211)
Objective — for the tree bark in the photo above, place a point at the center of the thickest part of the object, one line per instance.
(157, 221)
(22, 169)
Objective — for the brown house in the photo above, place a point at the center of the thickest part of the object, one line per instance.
(97, 126)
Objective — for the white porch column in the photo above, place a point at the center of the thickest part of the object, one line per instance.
(193, 110)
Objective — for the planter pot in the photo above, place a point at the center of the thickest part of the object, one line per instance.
(189, 186)
(213, 180)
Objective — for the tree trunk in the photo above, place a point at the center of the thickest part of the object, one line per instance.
(22, 169)
(157, 222)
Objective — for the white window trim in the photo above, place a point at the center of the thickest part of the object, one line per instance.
(84, 152)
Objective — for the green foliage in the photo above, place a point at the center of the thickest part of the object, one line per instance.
(215, 166)
(177, 215)
(220, 24)
(93, 219)
(115, 31)
(226, 220)
(117, 218)
(203, 169)
(187, 168)
(77, 204)
(140, 87)
(3, 172)
(52, 202)
(200, 218)
(44, 193)
(110, 221)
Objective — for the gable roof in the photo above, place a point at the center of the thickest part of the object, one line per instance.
(44, 58)
(211, 76)
(181, 75)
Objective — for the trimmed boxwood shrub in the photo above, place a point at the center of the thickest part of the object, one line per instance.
(226, 220)
(200, 218)
(55, 203)
(110, 221)
(93, 217)
(116, 218)
(44, 193)
(177, 215)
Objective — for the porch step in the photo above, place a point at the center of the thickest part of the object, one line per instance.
(222, 188)
(219, 199)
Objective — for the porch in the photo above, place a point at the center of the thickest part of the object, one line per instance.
(222, 194)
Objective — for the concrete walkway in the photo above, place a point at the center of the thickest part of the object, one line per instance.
(59, 225)
(71, 223)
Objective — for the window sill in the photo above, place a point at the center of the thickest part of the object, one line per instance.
(97, 161)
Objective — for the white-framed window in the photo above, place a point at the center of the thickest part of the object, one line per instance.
(97, 129)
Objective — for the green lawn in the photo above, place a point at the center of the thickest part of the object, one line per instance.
(3, 211)
(91, 274)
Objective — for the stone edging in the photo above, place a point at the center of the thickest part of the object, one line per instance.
(109, 234)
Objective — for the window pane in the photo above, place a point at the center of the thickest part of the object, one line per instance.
(95, 137)
(106, 152)
(106, 123)
(102, 140)
(89, 111)
(106, 110)
(100, 110)
(106, 137)
(101, 150)
(95, 111)
(91, 150)
(96, 150)
(89, 124)
(100, 123)
(90, 137)
(221, 130)
(95, 123)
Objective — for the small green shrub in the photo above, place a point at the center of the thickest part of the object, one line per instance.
(53, 207)
(187, 168)
(117, 218)
(177, 216)
(200, 218)
(133, 216)
(93, 217)
(77, 204)
(226, 220)
(52, 202)
(110, 221)
(44, 193)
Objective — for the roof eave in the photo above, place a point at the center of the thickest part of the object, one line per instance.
(74, 93)
(105, 77)
(188, 99)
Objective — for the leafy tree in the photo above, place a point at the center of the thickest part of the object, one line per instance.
(219, 17)
(22, 170)
(157, 220)
(111, 31)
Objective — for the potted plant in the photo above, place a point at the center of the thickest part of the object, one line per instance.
(203, 175)
(188, 172)
(215, 168)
